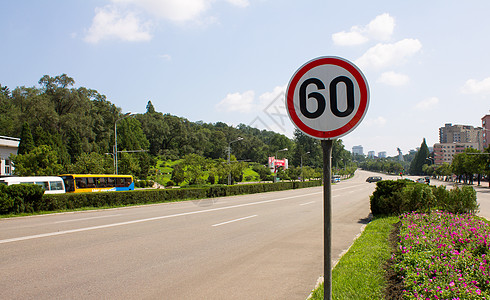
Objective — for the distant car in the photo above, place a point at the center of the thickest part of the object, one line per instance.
(335, 178)
(374, 179)
(420, 180)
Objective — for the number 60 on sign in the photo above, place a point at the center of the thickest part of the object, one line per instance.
(327, 97)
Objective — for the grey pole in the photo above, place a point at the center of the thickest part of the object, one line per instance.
(327, 218)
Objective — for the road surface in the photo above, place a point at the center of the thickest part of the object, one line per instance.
(262, 246)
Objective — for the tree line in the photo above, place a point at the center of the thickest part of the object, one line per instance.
(64, 129)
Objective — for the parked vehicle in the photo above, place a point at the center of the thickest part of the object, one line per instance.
(80, 183)
(51, 184)
(335, 178)
(374, 179)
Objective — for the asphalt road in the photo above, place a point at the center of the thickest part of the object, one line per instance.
(263, 246)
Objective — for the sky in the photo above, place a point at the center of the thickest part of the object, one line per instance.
(427, 63)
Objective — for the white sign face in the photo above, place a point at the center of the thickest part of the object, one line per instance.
(327, 97)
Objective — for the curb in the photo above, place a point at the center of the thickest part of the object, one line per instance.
(335, 262)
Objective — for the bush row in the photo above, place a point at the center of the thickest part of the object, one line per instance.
(401, 196)
(53, 202)
(20, 198)
(144, 183)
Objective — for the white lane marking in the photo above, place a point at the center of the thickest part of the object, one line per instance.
(307, 203)
(88, 218)
(30, 237)
(235, 220)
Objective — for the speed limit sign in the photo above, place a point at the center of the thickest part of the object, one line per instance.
(327, 97)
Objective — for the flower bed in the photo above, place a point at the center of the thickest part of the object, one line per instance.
(443, 256)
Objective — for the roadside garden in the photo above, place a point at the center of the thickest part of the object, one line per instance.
(423, 243)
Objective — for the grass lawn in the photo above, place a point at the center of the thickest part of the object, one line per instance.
(360, 274)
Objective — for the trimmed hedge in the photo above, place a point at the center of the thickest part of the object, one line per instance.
(54, 202)
(402, 196)
(20, 198)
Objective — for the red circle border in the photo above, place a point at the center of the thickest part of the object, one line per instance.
(364, 93)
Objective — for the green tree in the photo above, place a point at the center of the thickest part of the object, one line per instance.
(420, 159)
(194, 167)
(263, 171)
(154, 127)
(26, 141)
(128, 164)
(130, 136)
(178, 175)
(307, 149)
(40, 161)
(92, 163)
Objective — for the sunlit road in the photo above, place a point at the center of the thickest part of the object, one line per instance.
(263, 246)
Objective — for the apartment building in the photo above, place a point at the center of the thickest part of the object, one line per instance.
(8, 145)
(485, 124)
(444, 152)
(358, 150)
(461, 134)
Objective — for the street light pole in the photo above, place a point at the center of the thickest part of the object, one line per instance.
(128, 114)
(275, 168)
(229, 157)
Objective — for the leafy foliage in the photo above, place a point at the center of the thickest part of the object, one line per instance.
(78, 124)
(394, 197)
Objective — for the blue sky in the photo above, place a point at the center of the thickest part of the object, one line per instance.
(427, 62)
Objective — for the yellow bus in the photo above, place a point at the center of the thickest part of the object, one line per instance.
(82, 183)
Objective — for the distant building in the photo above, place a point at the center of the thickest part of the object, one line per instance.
(444, 152)
(8, 145)
(358, 150)
(485, 124)
(382, 154)
(371, 154)
(461, 134)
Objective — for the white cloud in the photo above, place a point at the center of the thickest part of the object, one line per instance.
(267, 98)
(120, 19)
(238, 102)
(166, 57)
(379, 121)
(109, 22)
(240, 3)
(177, 10)
(427, 104)
(351, 38)
(473, 86)
(385, 55)
(173, 10)
(393, 79)
(381, 29)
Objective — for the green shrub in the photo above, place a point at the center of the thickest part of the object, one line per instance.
(6, 202)
(20, 198)
(386, 199)
(462, 200)
(401, 196)
(417, 197)
(53, 202)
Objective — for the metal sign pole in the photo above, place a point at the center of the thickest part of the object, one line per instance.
(327, 218)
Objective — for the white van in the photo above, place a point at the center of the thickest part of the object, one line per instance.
(51, 184)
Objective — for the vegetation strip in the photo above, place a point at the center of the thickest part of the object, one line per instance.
(359, 274)
(21, 198)
(443, 256)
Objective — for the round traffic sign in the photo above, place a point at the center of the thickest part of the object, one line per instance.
(327, 97)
